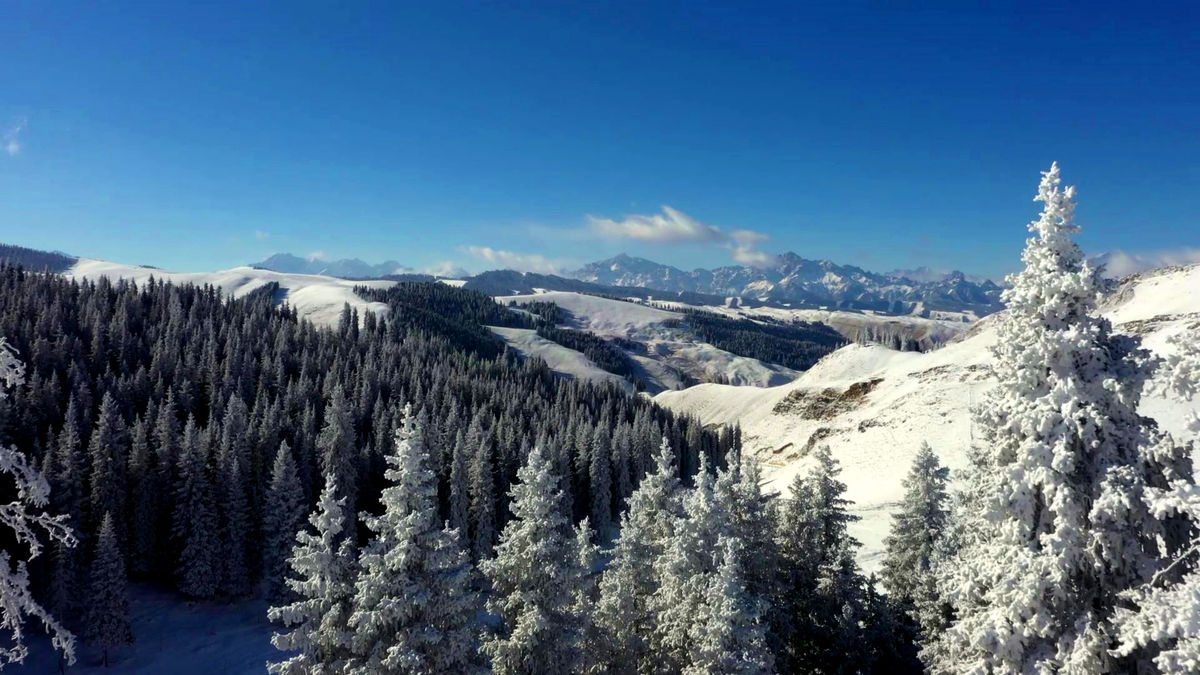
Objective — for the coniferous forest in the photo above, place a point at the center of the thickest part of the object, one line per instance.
(412, 498)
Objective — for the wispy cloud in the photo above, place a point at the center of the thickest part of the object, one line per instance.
(447, 269)
(673, 226)
(12, 136)
(317, 255)
(261, 235)
(1120, 263)
(515, 261)
(670, 226)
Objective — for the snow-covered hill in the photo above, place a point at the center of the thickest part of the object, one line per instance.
(671, 357)
(317, 298)
(874, 406)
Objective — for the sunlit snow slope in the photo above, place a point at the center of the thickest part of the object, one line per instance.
(317, 298)
(874, 406)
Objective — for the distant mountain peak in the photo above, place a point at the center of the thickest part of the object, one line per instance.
(347, 268)
(795, 280)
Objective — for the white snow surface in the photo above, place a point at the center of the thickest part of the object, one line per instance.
(174, 636)
(317, 298)
(918, 397)
(671, 355)
(560, 359)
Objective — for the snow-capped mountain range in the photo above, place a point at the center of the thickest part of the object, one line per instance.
(346, 268)
(799, 281)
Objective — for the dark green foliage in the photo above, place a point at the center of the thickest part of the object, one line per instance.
(796, 345)
(249, 375)
(600, 351)
(36, 261)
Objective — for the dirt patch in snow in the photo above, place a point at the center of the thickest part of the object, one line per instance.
(827, 403)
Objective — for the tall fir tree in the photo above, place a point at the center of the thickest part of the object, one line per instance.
(108, 623)
(283, 518)
(323, 562)
(913, 545)
(415, 610)
(534, 580)
(817, 599)
(1053, 526)
(624, 611)
(600, 477)
(483, 501)
(109, 452)
(336, 446)
(195, 518)
(732, 637)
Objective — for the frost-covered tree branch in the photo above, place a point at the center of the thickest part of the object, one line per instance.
(16, 599)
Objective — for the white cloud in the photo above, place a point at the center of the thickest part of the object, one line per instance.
(669, 226)
(262, 235)
(317, 255)
(674, 226)
(12, 137)
(1120, 263)
(446, 269)
(515, 261)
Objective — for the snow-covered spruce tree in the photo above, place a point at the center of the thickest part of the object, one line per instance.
(733, 637)
(1052, 524)
(109, 451)
(460, 492)
(623, 612)
(685, 570)
(282, 519)
(23, 516)
(534, 579)
(592, 644)
(108, 625)
(600, 480)
(1167, 612)
(325, 570)
(195, 518)
(819, 595)
(917, 528)
(336, 446)
(414, 608)
(483, 500)
(146, 502)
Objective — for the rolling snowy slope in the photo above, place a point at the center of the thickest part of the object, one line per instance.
(559, 358)
(317, 298)
(874, 406)
(672, 357)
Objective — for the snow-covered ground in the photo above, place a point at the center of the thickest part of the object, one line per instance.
(672, 355)
(559, 358)
(317, 298)
(172, 636)
(874, 406)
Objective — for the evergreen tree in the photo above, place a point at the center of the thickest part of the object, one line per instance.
(235, 525)
(534, 579)
(917, 529)
(283, 518)
(108, 625)
(146, 506)
(324, 566)
(624, 611)
(109, 451)
(1053, 525)
(336, 445)
(684, 572)
(483, 502)
(732, 638)
(600, 477)
(195, 517)
(460, 492)
(414, 608)
(818, 597)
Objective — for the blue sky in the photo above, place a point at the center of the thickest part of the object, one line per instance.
(200, 136)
